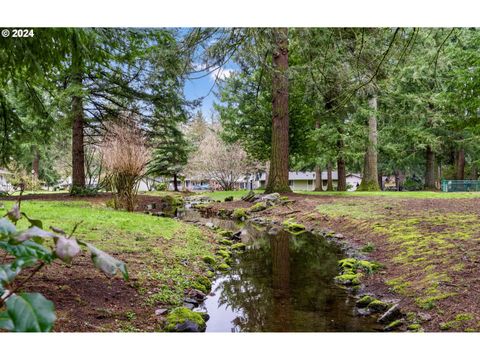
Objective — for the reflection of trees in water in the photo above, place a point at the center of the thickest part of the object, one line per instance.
(284, 283)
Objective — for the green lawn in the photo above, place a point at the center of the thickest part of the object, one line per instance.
(154, 248)
(400, 194)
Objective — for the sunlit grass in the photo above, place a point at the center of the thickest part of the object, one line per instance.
(399, 194)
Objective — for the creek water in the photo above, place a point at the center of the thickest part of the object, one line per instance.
(282, 283)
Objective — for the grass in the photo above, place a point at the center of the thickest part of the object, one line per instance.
(162, 254)
(427, 247)
(400, 194)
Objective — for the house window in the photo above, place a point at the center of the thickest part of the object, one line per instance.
(310, 182)
(290, 182)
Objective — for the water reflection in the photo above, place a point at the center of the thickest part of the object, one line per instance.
(283, 283)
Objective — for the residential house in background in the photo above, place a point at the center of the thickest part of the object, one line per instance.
(5, 185)
(305, 181)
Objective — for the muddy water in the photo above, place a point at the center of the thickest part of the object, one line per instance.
(282, 283)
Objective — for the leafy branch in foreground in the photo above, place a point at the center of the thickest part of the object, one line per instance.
(27, 251)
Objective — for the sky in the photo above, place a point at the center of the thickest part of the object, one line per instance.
(202, 85)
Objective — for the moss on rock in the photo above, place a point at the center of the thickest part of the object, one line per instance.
(208, 259)
(348, 279)
(260, 206)
(225, 233)
(364, 301)
(239, 214)
(224, 253)
(293, 227)
(394, 325)
(183, 319)
(226, 242)
(223, 267)
(239, 246)
(378, 306)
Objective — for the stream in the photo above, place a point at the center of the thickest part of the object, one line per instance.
(281, 283)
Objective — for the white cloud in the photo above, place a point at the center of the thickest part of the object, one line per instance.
(221, 73)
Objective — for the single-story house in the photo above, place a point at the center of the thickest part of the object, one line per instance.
(300, 180)
(4, 183)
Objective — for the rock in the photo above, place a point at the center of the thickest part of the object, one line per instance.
(273, 231)
(161, 311)
(339, 236)
(390, 315)
(378, 306)
(190, 300)
(362, 312)
(210, 225)
(424, 316)
(203, 314)
(196, 295)
(187, 326)
(189, 306)
(364, 301)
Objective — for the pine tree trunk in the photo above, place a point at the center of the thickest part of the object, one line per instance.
(460, 165)
(318, 179)
(175, 185)
(78, 151)
(370, 172)
(430, 169)
(329, 177)
(341, 171)
(36, 162)
(278, 176)
(342, 175)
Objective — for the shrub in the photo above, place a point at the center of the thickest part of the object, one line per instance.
(125, 156)
(161, 186)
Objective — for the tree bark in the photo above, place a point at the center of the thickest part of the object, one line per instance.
(78, 151)
(329, 177)
(341, 171)
(370, 171)
(460, 164)
(175, 186)
(342, 175)
(35, 162)
(318, 170)
(318, 179)
(430, 169)
(278, 177)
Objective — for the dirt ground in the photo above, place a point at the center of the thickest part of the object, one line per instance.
(87, 301)
(429, 249)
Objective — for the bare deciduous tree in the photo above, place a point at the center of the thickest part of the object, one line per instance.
(219, 161)
(125, 157)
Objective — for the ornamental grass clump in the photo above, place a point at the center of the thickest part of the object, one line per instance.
(125, 157)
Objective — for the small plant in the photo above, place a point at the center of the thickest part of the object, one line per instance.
(368, 248)
(27, 251)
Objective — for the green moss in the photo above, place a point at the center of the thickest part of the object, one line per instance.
(239, 246)
(378, 306)
(239, 213)
(414, 327)
(284, 198)
(225, 242)
(225, 233)
(351, 265)
(394, 325)
(208, 259)
(293, 227)
(198, 286)
(364, 301)
(223, 267)
(210, 274)
(260, 206)
(205, 281)
(464, 317)
(348, 279)
(180, 315)
(368, 248)
(224, 253)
